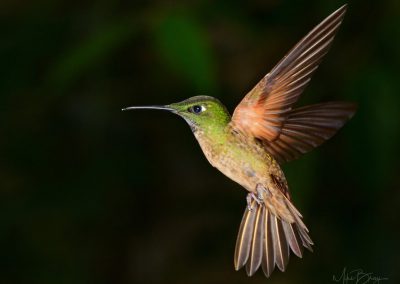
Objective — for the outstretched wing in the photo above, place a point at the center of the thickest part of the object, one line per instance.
(264, 110)
(308, 127)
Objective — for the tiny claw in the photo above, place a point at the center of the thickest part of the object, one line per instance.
(260, 192)
(257, 199)
(260, 195)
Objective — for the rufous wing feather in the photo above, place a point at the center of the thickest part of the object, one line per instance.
(308, 127)
(264, 110)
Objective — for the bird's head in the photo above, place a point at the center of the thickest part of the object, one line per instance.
(200, 112)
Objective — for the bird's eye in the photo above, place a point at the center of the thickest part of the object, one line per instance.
(196, 109)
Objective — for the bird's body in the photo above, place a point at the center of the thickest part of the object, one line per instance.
(231, 152)
(265, 131)
(244, 159)
(241, 158)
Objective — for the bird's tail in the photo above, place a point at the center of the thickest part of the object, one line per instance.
(266, 240)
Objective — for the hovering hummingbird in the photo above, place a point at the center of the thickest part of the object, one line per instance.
(264, 132)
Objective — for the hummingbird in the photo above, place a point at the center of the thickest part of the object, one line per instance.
(265, 131)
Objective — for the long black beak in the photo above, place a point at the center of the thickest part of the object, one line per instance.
(149, 107)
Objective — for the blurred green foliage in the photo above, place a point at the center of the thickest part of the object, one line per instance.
(89, 194)
(90, 52)
(185, 49)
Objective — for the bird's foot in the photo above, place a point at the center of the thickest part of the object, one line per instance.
(260, 190)
(257, 198)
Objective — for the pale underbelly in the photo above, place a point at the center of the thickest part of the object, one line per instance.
(238, 168)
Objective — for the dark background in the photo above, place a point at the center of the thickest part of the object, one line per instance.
(90, 194)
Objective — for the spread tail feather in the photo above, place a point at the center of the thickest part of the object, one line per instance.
(266, 240)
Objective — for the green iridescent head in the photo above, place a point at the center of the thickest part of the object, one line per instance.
(200, 112)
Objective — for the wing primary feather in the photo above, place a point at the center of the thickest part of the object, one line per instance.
(335, 17)
(323, 40)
